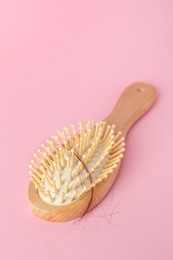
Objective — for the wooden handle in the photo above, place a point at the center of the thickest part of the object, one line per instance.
(134, 102)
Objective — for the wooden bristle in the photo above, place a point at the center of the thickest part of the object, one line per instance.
(75, 160)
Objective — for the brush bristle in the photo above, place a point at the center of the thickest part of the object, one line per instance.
(74, 161)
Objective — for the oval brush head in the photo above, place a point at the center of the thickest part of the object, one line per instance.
(74, 161)
(74, 170)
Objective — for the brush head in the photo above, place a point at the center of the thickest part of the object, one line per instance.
(74, 161)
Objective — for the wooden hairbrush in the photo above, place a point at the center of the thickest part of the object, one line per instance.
(74, 170)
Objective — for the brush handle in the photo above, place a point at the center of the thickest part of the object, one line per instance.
(134, 102)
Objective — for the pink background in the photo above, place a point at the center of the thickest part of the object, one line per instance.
(63, 61)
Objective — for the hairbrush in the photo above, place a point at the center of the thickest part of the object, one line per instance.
(74, 170)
